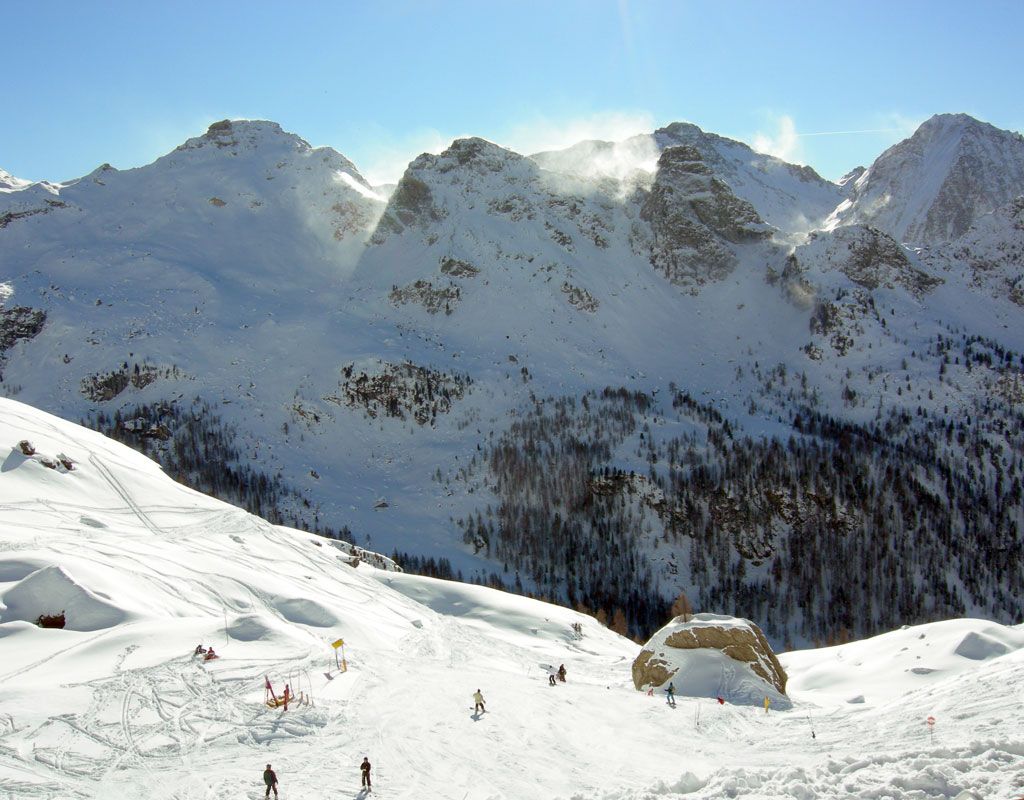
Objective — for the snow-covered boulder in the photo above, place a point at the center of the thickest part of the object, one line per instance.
(713, 656)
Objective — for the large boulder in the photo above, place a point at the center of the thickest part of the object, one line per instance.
(710, 655)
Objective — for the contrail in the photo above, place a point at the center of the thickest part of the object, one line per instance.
(844, 133)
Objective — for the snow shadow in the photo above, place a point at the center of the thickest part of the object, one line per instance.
(52, 590)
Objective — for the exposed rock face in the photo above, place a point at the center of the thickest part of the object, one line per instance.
(932, 187)
(746, 645)
(695, 217)
(685, 652)
(20, 322)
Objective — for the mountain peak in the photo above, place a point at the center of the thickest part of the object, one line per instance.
(681, 129)
(932, 187)
(245, 134)
(947, 121)
(478, 153)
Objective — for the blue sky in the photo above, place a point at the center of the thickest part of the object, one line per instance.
(124, 82)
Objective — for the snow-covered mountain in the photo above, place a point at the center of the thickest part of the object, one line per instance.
(141, 569)
(792, 198)
(511, 366)
(9, 183)
(933, 186)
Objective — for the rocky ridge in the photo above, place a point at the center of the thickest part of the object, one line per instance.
(932, 187)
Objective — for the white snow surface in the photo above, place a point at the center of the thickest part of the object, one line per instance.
(116, 706)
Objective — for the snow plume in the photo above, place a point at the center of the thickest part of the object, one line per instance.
(599, 159)
(784, 143)
(544, 133)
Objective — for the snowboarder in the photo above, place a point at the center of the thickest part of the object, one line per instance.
(561, 673)
(478, 700)
(270, 778)
(671, 694)
(365, 769)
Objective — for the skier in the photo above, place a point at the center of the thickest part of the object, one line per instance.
(365, 769)
(270, 778)
(671, 692)
(478, 699)
(552, 678)
(200, 650)
(561, 673)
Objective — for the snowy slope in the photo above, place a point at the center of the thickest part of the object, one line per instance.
(931, 187)
(10, 183)
(116, 705)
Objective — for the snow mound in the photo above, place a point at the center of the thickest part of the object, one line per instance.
(250, 628)
(978, 646)
(306, 612)
(890, 665)
(51, 590)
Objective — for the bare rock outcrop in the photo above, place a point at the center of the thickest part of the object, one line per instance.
(712, 655)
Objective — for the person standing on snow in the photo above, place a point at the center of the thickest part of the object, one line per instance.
(478, 699)
(671, 692)
(365, 769)
(561, 673)
(270, 778)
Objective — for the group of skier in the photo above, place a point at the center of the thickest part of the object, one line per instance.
(555, 675)
(270, 777)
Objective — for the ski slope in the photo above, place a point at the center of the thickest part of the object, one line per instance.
(116, 706)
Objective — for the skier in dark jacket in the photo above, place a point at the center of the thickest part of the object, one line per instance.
(365, 768)
(561, 673)
(270, 778)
